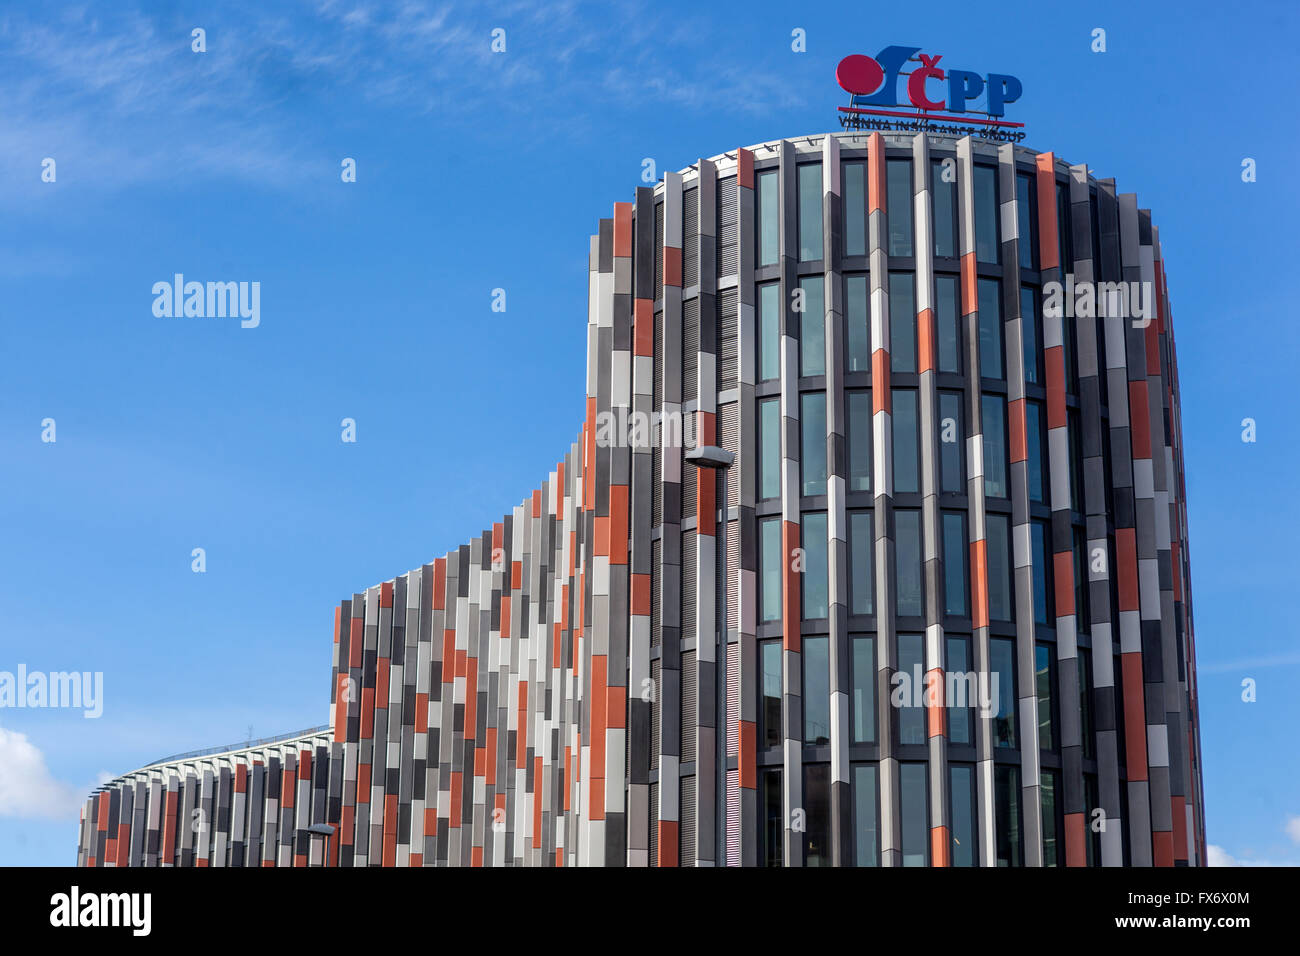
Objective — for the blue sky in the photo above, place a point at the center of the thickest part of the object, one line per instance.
(477, 171)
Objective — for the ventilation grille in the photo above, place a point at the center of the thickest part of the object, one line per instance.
(686, 843)
(733, 698)
(656, 452)
(688, 584)
(688, 483)
(659, 250)
(690, 706)
(656, 615)
(733, 818)
(654, 824)
(729, 345)
(728, 226)
(690, 350)
(654, 719)
(690, 237)
(733, 576)
(729, 427)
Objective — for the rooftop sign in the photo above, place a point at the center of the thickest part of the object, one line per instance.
(933, 92)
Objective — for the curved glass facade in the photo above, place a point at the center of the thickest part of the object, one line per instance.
(957, 593)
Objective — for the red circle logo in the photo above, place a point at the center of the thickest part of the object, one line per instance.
(859, 74)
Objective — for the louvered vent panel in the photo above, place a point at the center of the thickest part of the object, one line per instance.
(654, 721)
(688, 584)
(689, 706)
(654, 824)
(733, 818)
(690, 237)
(688, 484)
(729, 342)
(686, 843)
(690, 350)
(656, 612)
(733, 576)
(656, 453)
(659, 250)
(728, 226)
(729, 428)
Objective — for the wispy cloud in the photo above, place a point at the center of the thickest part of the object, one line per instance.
(118, 98)
(1248, 663)
(27, 788)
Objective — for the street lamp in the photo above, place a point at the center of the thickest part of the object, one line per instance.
(326, 830)
(719, 459)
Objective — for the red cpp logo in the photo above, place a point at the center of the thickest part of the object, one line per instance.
(874, 82)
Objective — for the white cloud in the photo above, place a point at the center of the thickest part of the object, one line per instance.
(1218, 856)
(27, 789)
(1292, 828)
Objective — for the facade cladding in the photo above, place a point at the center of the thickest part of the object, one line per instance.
(935, 476)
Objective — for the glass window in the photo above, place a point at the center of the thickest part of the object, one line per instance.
(911, 661)
(1080, 579)
(812, 430)
(1029, 335)
(816, 602)
(810, 212)
(1092, 801)
(861, 562)
(817, 819)
(954, 563)
(857, 311)
(866, 844)
(898, 175)
(1076, 459)
(812, 327)
(769, 728)
(769, 448)
(993, 411)
(1041, 559)
(770, 562)
(859, 404)
(912, 798)
(769, 332)
(1086, 726)
(1034, 440)
(864, 690)
(902, 323)
(951, 436)
(907, 527)
(990, 322)
(999, 568)
(1027, 226)
(1006, 799)
(962, 789)
(946, 324)
(986, 214)
(1071, 362)
(944, 197)
(773, 830)
(1064, 240)
(965, 692)
(855, 209)
(816, 690)
(769, 218)
(1047, 784)
(907, 468)
(1002, 660)
(1044, 680)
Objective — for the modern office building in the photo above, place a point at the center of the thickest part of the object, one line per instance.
(958, 460)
